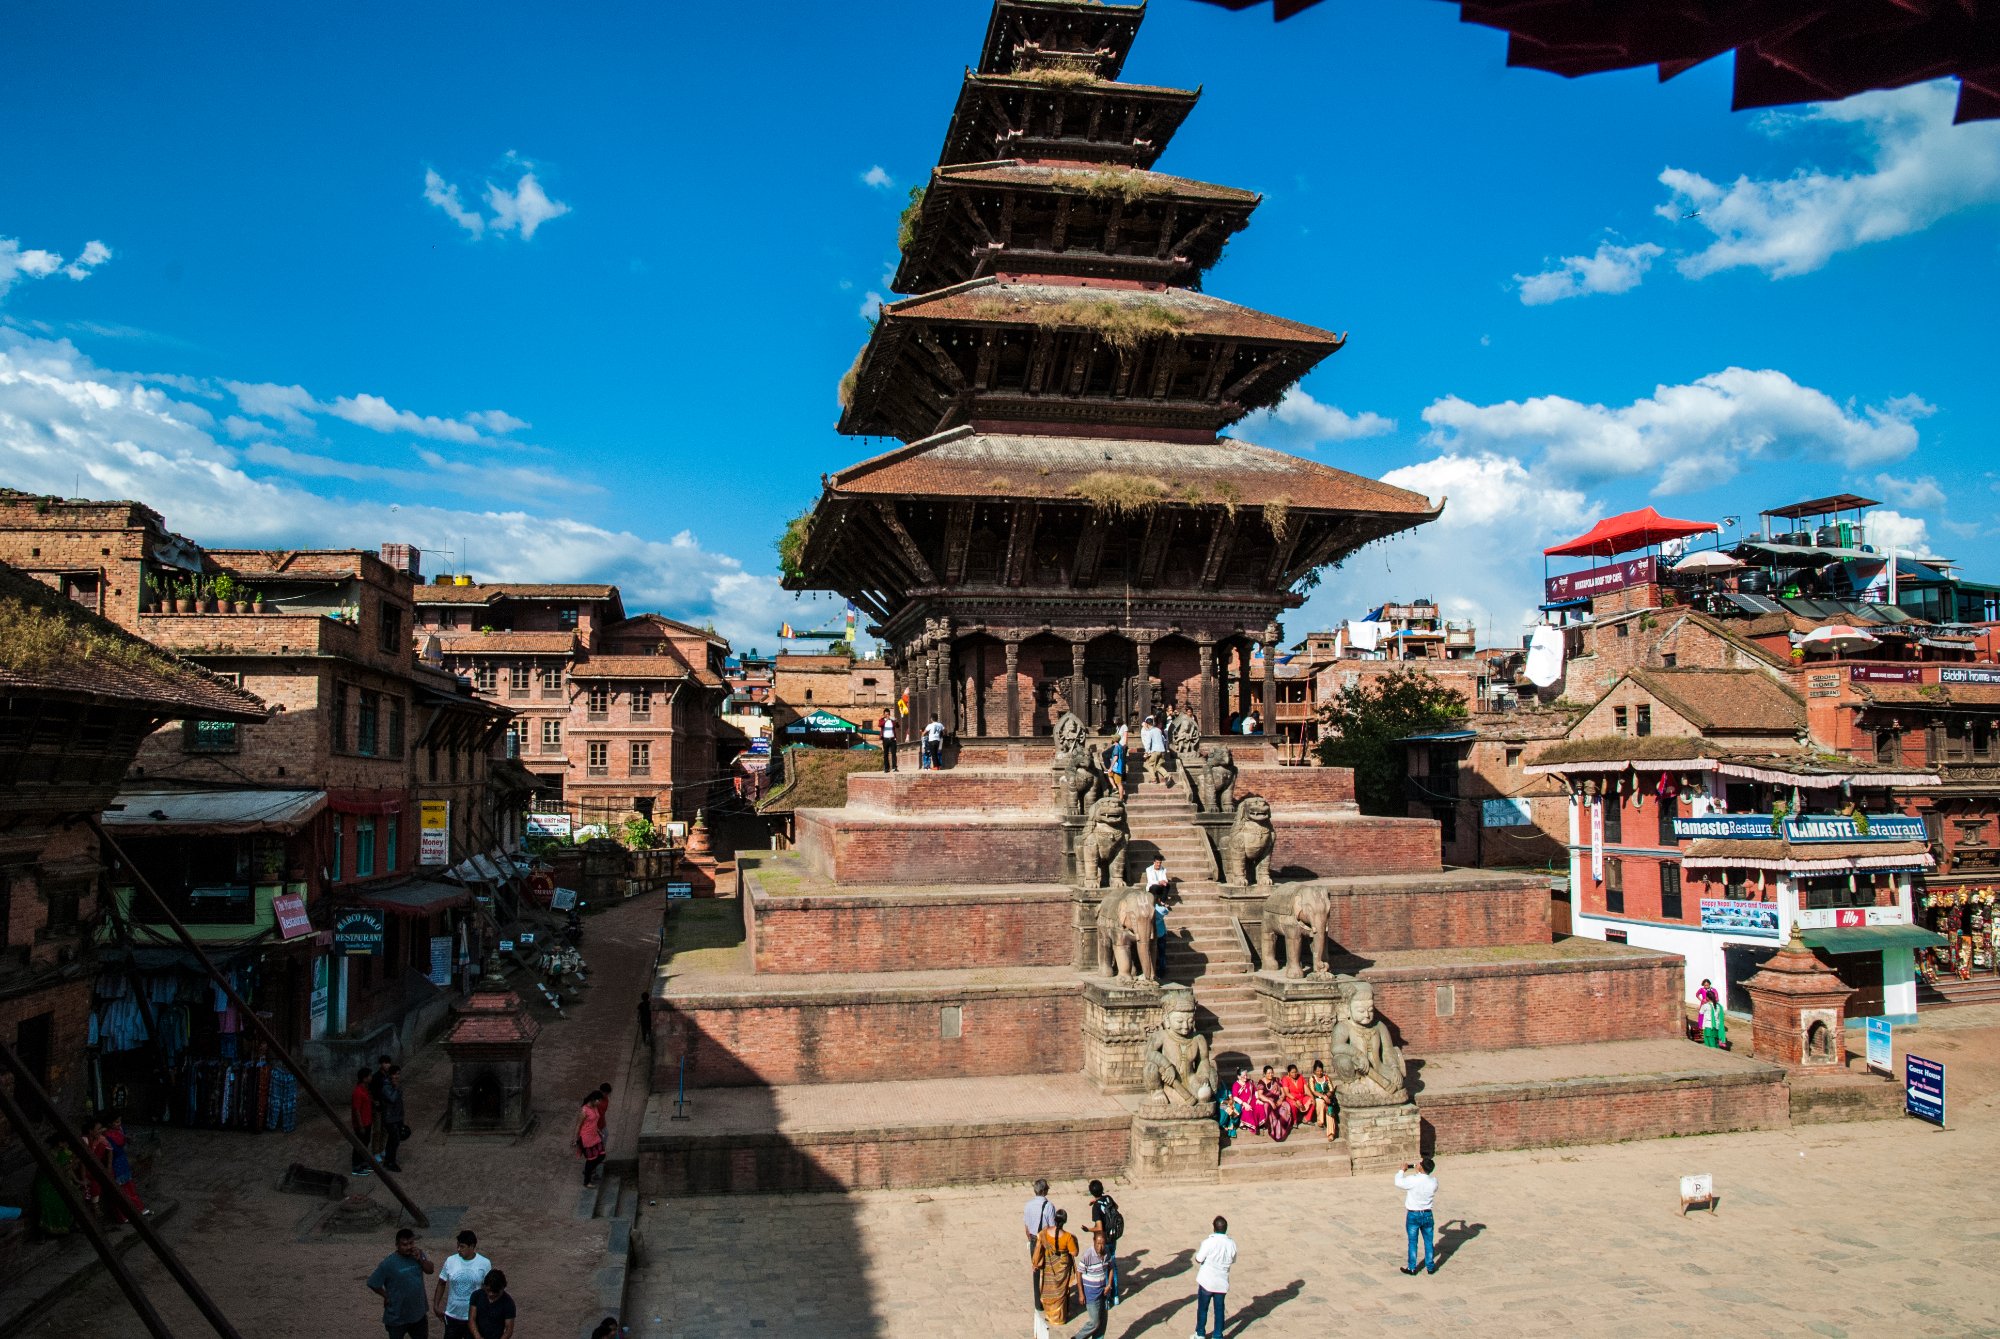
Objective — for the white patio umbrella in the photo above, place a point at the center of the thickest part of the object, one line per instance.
(1839, 637)
(1707, 560)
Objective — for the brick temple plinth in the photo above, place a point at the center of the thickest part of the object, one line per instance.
(1299, 1013)
(491, 1045)
(1798, 1010)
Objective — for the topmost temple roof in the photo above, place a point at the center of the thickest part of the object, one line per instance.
(1059, 34)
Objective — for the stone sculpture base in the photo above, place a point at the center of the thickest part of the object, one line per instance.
(1117, 1016)
(1299, 1014)
(1175, 1143)
(1382, 1139)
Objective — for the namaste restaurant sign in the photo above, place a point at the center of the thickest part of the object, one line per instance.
(1804, 828)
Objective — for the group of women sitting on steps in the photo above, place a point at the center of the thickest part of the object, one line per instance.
(1275, 1105)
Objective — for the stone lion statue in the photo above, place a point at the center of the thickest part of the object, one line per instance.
(1179, 1067)
(1125, 935)
(1297, 914)
(1212, 784)
(1077, 782)
(1246, 851)
(1100, 851)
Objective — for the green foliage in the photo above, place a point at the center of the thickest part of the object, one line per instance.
(792, 546)
(1129, 184)
(851, 377)
(1365, 725)
(1122, 325)
(1060, 77)
(639, 833)
(906, 224)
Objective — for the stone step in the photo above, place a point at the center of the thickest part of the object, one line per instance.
(1252, 1158)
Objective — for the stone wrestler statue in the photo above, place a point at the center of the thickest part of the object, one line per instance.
(1179, 1070)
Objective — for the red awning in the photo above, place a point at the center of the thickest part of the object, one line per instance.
(1628, 531)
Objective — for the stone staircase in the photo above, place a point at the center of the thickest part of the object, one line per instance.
(1980, 988)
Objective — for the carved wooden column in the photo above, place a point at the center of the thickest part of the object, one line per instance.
(1143, 688)
(1205, 704)
(1078, 702)
(1270, 686)
(1244, 689)
(1013, 690)
(948, 684)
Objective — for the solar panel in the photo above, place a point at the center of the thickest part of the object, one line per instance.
(1753, 604)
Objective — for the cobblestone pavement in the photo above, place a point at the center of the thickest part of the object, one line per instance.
(1883, 1228)
(259, 1253)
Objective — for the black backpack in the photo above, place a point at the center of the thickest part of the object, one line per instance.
(1107, 1214)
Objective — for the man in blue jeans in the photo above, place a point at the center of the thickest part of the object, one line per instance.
(1211, 1281)
(1420, 1190)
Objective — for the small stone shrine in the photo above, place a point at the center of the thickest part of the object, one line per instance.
(491, 1046)
(1798, 1010)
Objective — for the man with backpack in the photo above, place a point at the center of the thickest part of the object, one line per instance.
(1105, 1218)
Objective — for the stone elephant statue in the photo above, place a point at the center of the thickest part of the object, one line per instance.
(1125, 935)
(1297, 915)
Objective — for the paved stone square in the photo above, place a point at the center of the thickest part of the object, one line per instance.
(1883, 1228)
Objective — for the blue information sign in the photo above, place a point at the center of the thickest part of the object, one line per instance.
(679, 888)
(1923, 1088)
(1880, 1045)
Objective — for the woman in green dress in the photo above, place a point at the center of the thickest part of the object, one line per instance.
(52, 1213)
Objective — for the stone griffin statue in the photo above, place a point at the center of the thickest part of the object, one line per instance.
(1069, 733)
(1100, 851)
(1297, 914)
(1179, 1070)
(1125, 935)
(1246, 851)
(1368, 1069)
(1212, 782)
(1077, 782)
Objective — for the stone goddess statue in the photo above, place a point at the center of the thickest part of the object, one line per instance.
(1179, 1071)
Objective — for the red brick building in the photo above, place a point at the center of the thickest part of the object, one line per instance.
(615, 716)
(1491, 811)
(78, 697)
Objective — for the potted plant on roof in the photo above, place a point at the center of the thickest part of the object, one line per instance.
(258, 604)
(184, 596)
(204, 595)
(225, 591)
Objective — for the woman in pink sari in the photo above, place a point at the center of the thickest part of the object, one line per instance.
(1283, 1115)
(1250, 1101)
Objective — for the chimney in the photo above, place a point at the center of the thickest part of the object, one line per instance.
(404, 558)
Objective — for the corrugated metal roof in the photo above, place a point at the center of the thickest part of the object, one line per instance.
(145, 812)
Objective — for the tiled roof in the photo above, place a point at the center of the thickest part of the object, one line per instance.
(642, 667)
(477, 643)
(511, 590)
(1017, 173)
(1618, 748)
(992, 301)
(1727, 701)
(1935, 694)
(51, 646)
(964, 462)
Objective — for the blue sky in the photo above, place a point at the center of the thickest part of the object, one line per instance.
(570, 291)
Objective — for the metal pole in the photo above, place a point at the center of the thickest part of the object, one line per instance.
(81, 1211)
(249, 1015)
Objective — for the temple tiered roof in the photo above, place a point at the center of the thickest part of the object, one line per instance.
(1059, 34)
(1061, 115)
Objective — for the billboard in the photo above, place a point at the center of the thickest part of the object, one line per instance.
(434, 832)
(1600, 580)
(1727, 916)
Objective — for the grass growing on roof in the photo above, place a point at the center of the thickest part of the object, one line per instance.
(1128, 183)
(33, 639)
(849, 378)
(1119, 324)
(1278, 515)
(1119, 493)
(906, 223)
(1057, 77)
(792, 546)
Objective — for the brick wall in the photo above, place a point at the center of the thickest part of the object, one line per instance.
(1467, 913)
(1602, 1111)
(1495, 1006)
(1689, 639)
(1352, 844)
(910, 932)
(1306, 788)
(854, 848)
(864, 1036)
(909, 792)
(987, 1153)
(68, 1005)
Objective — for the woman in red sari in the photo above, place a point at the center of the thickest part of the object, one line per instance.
(1283, 1115)
(1294, 1084)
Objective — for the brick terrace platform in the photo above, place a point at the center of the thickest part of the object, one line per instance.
(859, 1136)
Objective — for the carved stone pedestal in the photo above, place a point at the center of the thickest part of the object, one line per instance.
(1175, 1143)
(1215, 827)
(1382, 1139)
(1072, 833)
(1299, 1013)
(1117, 1016)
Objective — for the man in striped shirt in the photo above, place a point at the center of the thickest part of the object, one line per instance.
(1094, 1271)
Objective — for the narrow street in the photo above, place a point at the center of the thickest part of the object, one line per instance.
(263, 1253)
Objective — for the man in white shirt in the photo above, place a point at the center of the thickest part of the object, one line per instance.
(1154, 741)
(462, 1274)
(933, 746)
(1420, 1190)
(1211, 1281)
(887, 725)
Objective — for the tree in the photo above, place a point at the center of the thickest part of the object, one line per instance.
(1364, 728)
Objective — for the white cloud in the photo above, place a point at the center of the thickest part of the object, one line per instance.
(1918, 167)
(1481, 560)
(1922, 491)
(1892, 530)
(878, 177)
(288, 404)
(1686, 437)
(496, 421)
(1301, 423)
(372, 411)
(524, 209)
(871, 305)
(1613, 269)
(18, 262)
(62, 416)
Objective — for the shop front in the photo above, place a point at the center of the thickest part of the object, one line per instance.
(1964, 918)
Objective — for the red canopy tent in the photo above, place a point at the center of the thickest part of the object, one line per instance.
(1630, 530)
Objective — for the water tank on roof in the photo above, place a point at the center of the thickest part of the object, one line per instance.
(1827, 536)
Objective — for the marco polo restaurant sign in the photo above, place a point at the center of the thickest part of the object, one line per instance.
(1805, 828)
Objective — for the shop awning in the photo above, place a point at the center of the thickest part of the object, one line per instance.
(417, 898)
(1806, 857)
(185, 813)
(821, 722)
(1871, 938)
(1627, 531)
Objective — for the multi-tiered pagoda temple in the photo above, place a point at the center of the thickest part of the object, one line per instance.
(1064, 526)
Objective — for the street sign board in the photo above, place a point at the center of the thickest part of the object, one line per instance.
(1879, 1043)
(1923, 1089)
(358, 931)
(680, 888)
(434, 832)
